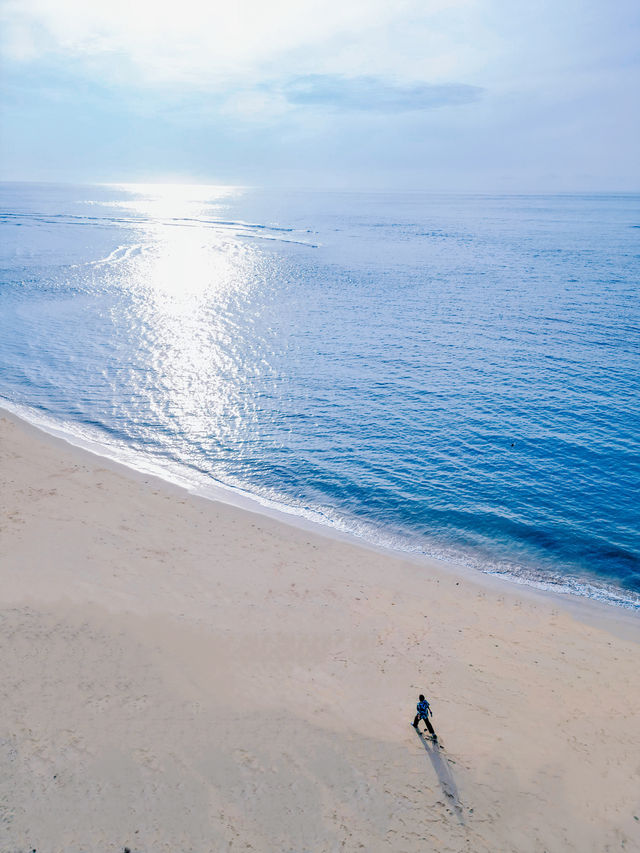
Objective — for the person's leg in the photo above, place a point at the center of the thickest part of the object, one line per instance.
(429, 726)
(416, 721)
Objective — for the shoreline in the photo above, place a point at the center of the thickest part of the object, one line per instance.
(185, 674)
(607, 595)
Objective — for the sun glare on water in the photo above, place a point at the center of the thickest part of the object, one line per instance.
(189, 278)
(175, 201)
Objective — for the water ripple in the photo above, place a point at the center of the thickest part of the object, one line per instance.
(453, 376)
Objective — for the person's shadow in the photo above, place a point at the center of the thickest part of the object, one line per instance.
(444, 774)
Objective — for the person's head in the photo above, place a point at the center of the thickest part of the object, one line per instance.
(421, 698)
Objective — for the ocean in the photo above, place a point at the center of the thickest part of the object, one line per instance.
(448, 375)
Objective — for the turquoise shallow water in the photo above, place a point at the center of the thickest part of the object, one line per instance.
(450, 375)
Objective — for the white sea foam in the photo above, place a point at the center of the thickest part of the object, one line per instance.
(122, 253)
(95, 442)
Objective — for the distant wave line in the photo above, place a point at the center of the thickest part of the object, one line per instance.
(74, 219)
(214, 224)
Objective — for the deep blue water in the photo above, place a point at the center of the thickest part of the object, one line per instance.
(447, 374)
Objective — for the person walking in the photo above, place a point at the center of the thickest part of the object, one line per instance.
(424, 710)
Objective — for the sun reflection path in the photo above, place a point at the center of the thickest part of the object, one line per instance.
(190, 296)
(176, 201)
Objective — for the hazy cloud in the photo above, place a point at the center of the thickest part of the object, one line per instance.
(315, 90)
(373, 94)
(207, 44)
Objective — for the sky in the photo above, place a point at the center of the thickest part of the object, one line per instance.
(441, 95)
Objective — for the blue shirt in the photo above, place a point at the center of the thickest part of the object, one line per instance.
(423, 708)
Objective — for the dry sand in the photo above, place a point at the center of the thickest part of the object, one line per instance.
(182, 675)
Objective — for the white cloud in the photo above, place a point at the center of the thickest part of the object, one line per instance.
(206, 43)
(152, 87)
(255, 106)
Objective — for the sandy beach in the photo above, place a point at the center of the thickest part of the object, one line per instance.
(183, 675)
